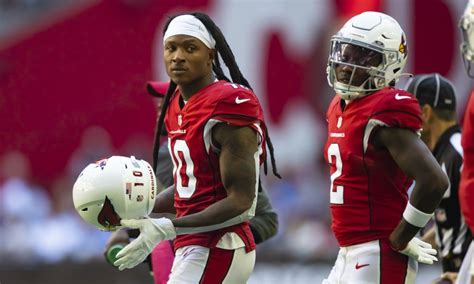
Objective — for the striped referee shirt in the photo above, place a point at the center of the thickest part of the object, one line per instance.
(452, 234)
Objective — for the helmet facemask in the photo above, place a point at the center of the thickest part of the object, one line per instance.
(372, 47)
(355, 70)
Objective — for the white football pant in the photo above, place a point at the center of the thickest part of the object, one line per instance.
(197, 264)
(373, 262)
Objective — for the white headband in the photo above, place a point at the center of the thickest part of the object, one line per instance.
(191, 26)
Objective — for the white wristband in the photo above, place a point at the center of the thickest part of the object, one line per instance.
(416, 217)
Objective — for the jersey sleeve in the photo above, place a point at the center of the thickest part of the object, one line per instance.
(398, 109)
(241, 108)
(238, 108)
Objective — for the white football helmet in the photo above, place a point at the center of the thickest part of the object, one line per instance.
(373, 46)
(114, 188)
(466, 24)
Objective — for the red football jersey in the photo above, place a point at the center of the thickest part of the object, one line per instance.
(196, 162)
(466, 187)
(368, 190)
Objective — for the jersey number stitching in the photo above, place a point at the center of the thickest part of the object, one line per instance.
(183, 170)
(337, 193)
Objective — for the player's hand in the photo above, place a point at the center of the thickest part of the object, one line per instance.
(420, 251)
(152, 231)
(450, 276)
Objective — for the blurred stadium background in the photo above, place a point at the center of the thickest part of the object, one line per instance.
(72, 77)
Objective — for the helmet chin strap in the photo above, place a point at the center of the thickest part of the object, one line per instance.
(349, 92)
(346, 93)
(409, 75)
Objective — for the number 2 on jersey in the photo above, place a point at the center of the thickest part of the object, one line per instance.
(334, 157)
(184, 169)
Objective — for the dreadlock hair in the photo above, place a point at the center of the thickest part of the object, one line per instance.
(223, 49)
(161, 120)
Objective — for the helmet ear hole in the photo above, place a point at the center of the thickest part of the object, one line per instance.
(85, 209)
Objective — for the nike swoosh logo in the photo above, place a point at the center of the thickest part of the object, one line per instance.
(398, 97)
(359, 266)
(239, 101)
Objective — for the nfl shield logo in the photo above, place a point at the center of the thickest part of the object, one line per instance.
(180, 120)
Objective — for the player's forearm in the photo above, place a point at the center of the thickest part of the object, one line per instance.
(236, 208)
(428, 193)
(425, 198)
(219, 212)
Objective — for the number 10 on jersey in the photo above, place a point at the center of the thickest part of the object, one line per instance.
(183, 169)
(334, 157)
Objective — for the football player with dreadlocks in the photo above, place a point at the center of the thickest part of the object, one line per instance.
(263, 225)
(374, 152)
(217, 138)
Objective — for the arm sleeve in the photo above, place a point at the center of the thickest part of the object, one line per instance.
(399, 113)
(264, 224)
(245, 113)
(164, 170)
(248, 113)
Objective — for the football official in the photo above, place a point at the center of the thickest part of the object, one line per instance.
(442, 134)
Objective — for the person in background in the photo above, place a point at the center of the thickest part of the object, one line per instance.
(263, 226)
(442, 134)
(374, 154)
(466, 187)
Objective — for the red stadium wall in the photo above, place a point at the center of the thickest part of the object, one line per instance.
(89, 67)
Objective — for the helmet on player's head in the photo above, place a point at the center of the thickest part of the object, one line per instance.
(466, 24)
(114, 188)
(367, 54)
